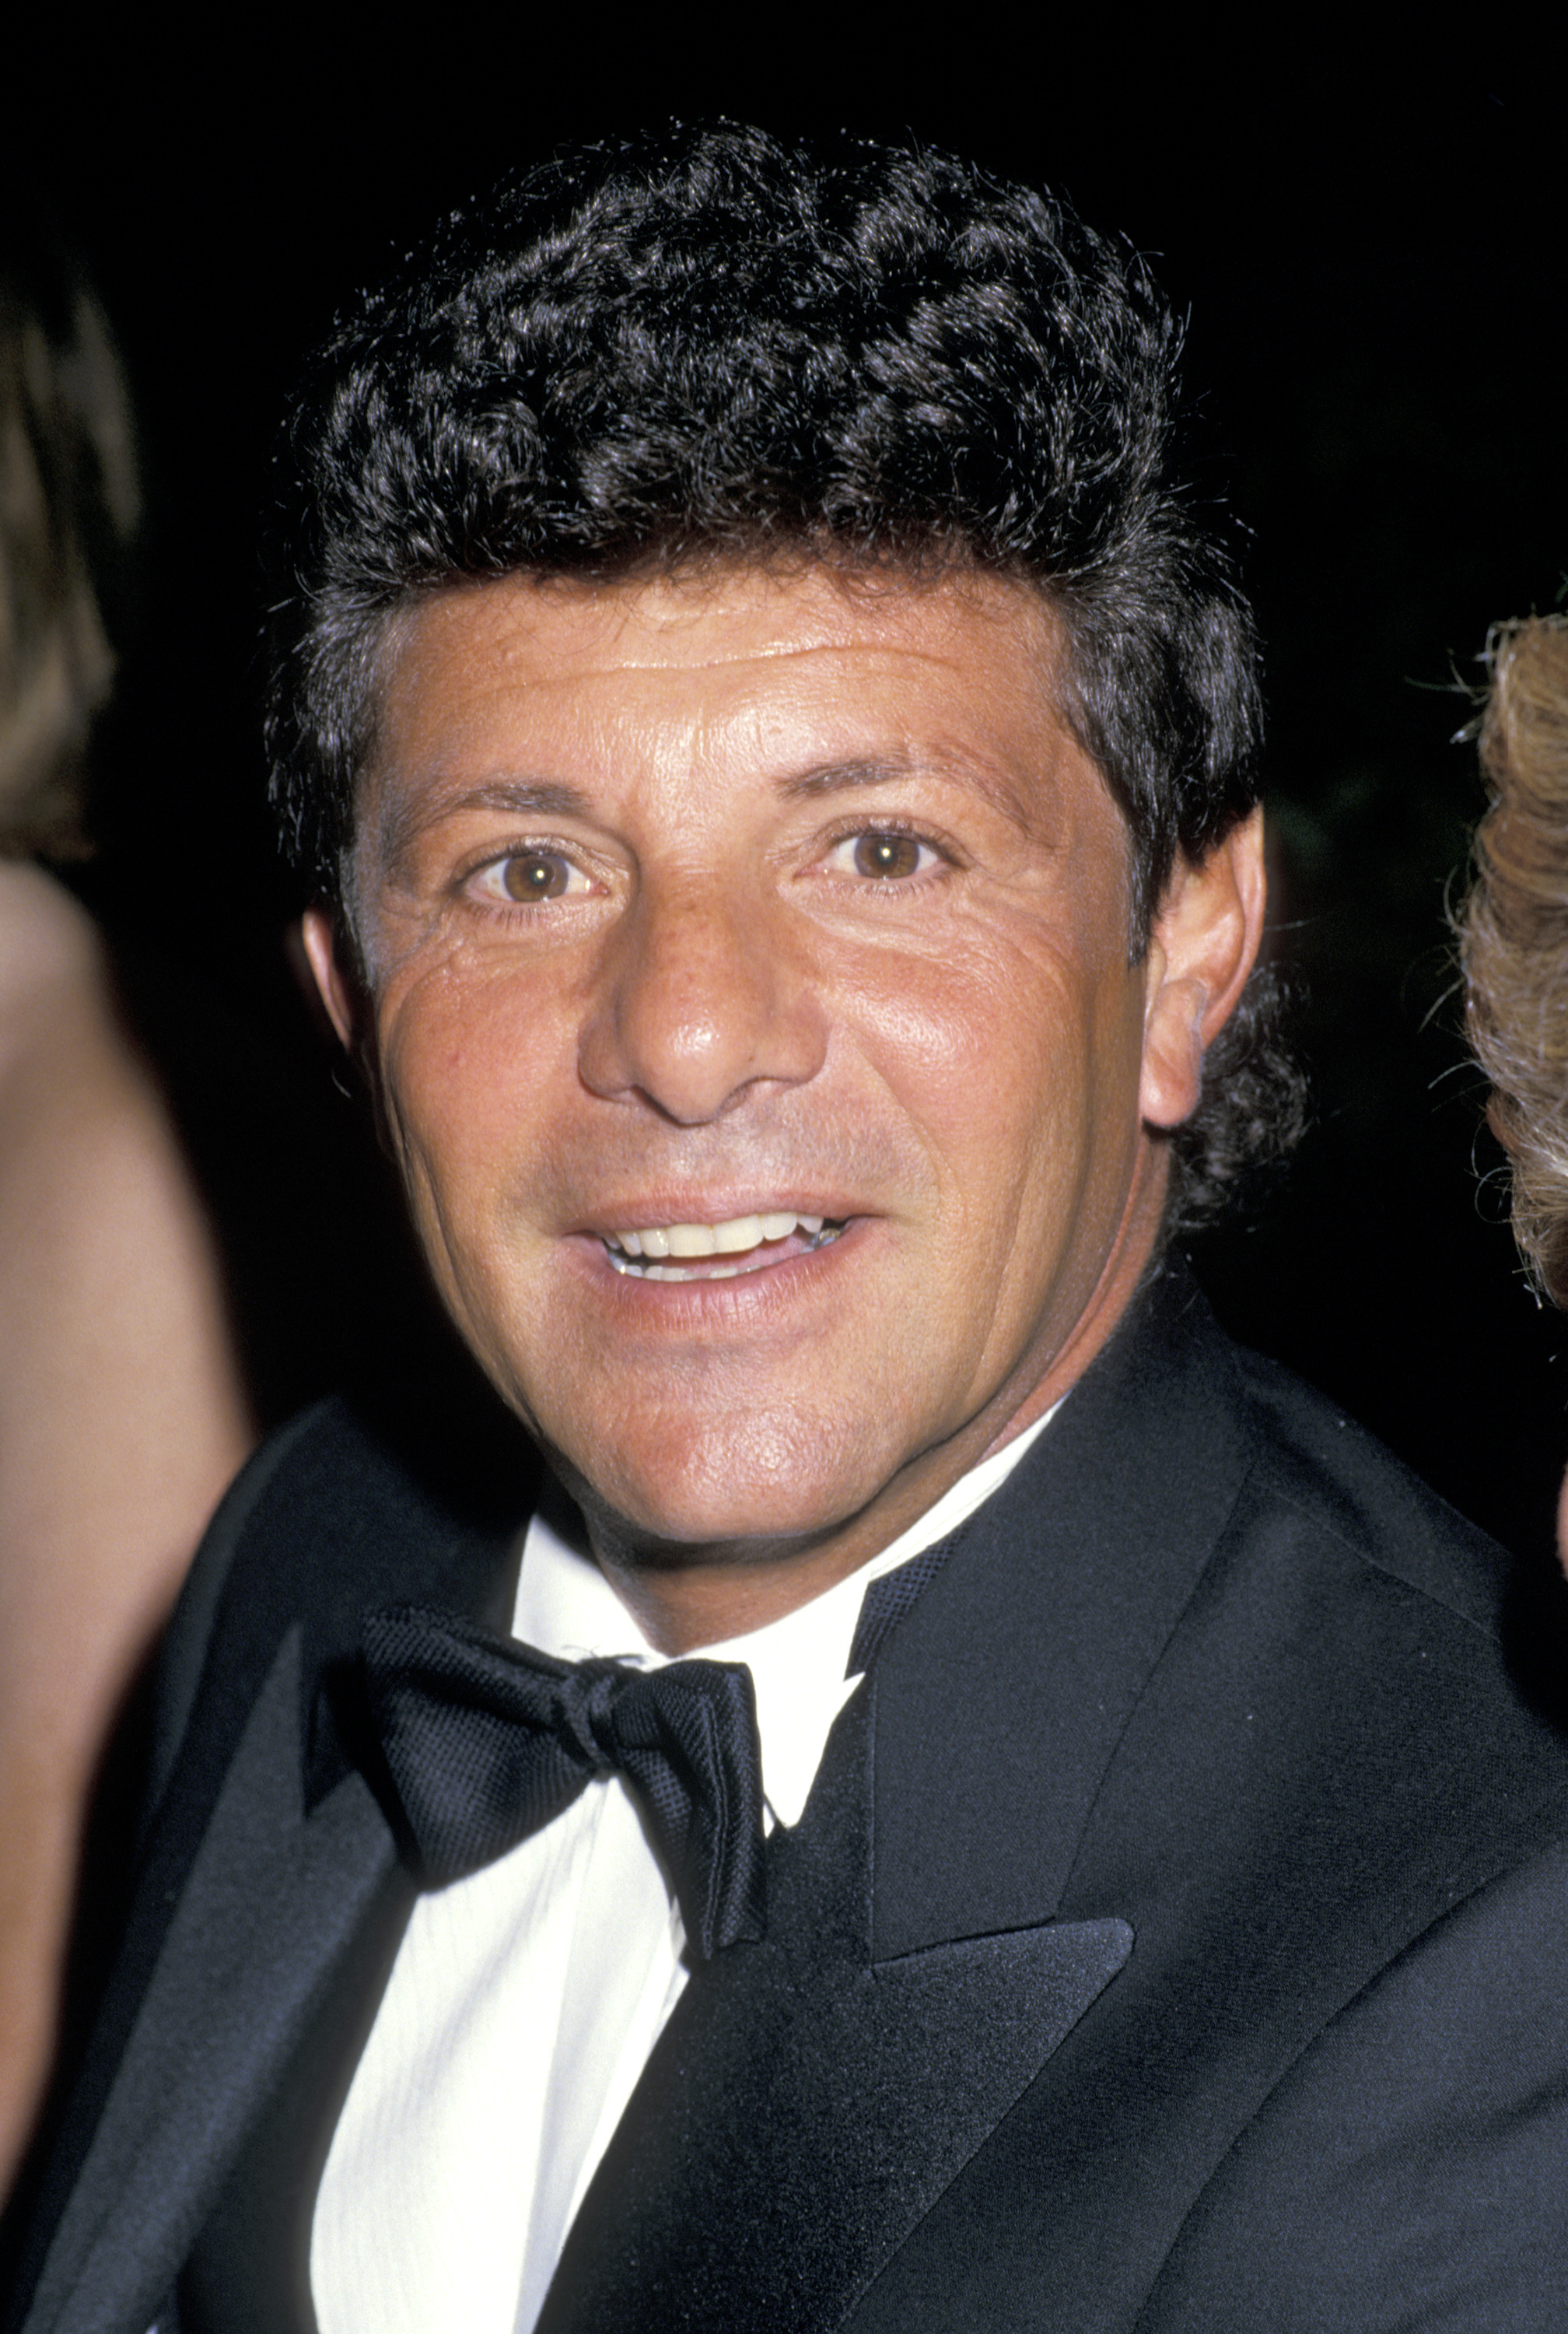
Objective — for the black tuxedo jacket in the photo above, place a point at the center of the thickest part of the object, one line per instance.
(1176, 1937)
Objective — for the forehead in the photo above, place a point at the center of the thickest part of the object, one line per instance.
(735, 672)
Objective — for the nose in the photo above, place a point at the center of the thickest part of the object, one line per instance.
(701, 999)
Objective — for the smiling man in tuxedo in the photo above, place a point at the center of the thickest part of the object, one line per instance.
(957, 1799)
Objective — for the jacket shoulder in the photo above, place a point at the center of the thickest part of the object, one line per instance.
(1315, 1455)
(1366, 1514)
(1392, 1684)
(328, 1520)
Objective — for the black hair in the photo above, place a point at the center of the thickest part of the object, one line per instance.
(705, 342)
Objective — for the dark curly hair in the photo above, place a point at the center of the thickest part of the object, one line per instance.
(704, 342)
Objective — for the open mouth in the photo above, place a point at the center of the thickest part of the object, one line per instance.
(718, 1251)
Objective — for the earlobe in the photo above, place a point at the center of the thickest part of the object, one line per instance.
(324, 951)
(1203, 945)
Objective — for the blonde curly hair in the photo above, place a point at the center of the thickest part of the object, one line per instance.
(1514, 933)
(68, 505)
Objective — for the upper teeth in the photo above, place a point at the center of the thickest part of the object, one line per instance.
(729, 1239)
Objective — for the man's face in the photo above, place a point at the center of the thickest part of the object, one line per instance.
(788, 909)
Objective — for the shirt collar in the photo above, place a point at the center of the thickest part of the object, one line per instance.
(565, 1607)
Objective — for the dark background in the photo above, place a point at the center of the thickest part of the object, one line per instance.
(1373, 261)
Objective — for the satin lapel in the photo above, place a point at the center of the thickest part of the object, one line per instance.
(272, 1902)
(1002, 1697)
(805, 2105)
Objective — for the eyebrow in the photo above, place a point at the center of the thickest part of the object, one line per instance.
(843, 777)
(837, 777)
(401, 822)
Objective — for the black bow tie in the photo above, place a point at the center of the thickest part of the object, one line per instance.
(486, 1740)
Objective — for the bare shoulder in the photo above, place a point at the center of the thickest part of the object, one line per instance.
(79, 1106)
(48, 947)
(118, 1391)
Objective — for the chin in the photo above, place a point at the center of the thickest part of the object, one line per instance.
(759, 1487)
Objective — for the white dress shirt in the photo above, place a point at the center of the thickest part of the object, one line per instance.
(525, 2001)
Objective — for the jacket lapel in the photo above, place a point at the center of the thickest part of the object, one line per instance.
(1002, 1695)
(232, 1992)
(807, 2103)
(812, 2095)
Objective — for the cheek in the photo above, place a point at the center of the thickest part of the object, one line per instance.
(932, 1038)
(469, 1069)
(1006, 1058)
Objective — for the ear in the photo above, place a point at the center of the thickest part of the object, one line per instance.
(327, 953)
(1201, 948)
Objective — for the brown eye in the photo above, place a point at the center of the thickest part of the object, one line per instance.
(890, 856)
(534, 875)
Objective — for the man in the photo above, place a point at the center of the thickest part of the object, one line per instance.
(775, 753)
